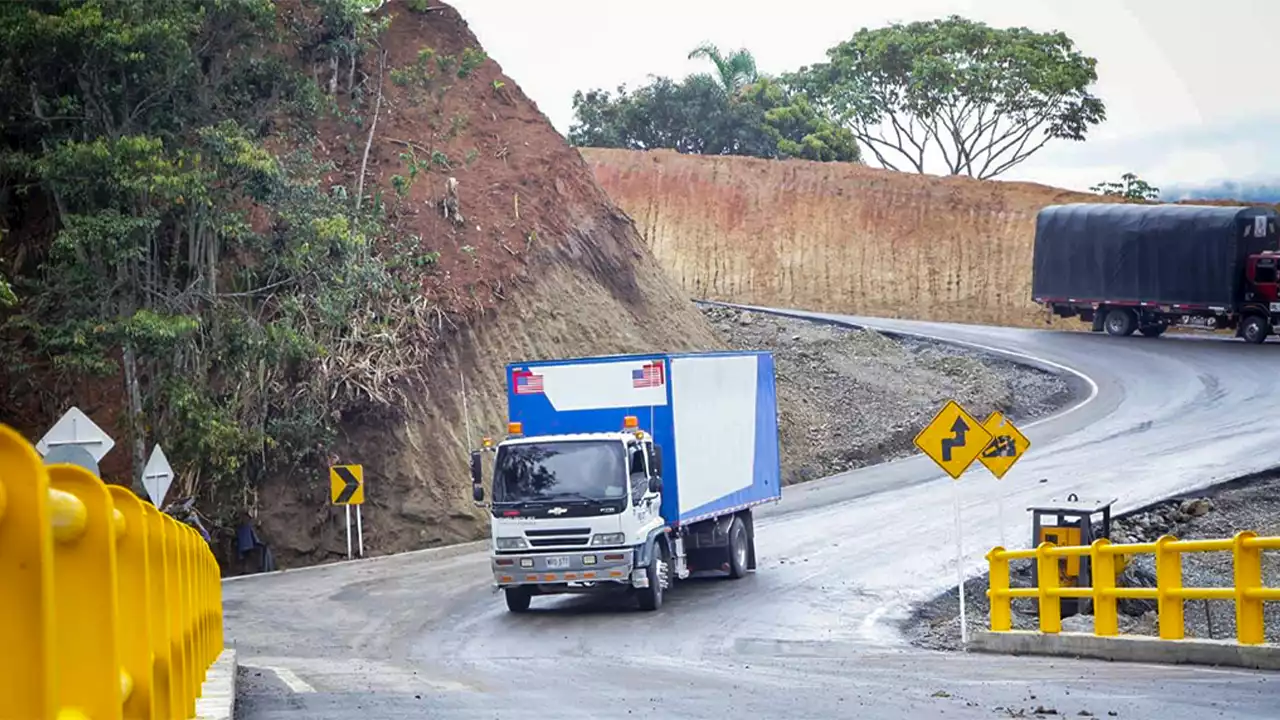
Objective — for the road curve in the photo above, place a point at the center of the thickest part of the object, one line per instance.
(811, 633)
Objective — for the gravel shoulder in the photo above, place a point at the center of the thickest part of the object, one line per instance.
(1222, 511)
(852, 397)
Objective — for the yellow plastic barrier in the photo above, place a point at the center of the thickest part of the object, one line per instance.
(109, 609)
(1248, 592)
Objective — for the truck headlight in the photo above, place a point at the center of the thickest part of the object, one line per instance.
(608, 538)
(510, 543)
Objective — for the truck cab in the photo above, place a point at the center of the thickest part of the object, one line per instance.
(572, 513)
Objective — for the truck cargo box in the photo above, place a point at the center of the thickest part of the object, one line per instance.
(1169, 254)
(713, 414)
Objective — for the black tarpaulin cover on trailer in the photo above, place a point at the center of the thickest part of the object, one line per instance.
(1175, 254)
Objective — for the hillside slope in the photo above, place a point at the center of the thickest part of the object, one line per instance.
(541, 265)
(834, 236)
(518, 252)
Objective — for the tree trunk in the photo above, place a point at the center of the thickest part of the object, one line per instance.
(135, 418)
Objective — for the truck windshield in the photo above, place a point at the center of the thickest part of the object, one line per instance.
(557, 471)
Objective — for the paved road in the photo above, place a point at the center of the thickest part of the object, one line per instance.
(811, 634)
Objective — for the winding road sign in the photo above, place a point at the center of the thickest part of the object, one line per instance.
(953, 439)
(346, 484)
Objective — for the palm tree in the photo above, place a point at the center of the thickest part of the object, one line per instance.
(734, 71)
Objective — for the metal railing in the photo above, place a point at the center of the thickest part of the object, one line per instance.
(1248, 592)
(108, 607)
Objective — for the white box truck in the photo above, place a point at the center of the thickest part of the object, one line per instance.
(630, 472)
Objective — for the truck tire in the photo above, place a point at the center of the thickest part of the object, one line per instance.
(650, 598)
(518, 598)
(1255, 329)
(1121, 322)
(1152, 331)
(738, 548)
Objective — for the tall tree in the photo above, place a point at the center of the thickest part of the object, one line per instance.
(734, 71)
(985, 99)
(1130, 186)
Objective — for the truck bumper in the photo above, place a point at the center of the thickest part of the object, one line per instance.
(562, 568)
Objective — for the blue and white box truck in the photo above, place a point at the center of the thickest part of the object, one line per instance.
(630, 472)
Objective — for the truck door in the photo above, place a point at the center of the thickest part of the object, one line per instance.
(1262, 271)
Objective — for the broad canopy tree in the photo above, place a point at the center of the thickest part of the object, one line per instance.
(983, 98)
(734, 111)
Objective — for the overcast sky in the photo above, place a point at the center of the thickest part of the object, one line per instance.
(1191, 88)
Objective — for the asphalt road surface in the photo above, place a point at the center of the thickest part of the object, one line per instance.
(811, 634)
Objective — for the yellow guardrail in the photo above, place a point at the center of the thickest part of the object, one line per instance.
(108, 607)
(1248, 592)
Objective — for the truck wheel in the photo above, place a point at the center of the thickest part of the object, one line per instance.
(518, 598)
(1152, 331)
(1121, 322)
(1255, 329)
(651, 597)
(737, 548)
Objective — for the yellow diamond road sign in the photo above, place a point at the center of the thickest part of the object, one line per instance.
(954, 439)
(1007, 445)
(346, 484)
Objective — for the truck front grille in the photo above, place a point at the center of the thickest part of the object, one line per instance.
(560, 542)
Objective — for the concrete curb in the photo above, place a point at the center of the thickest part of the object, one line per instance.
(1130, 648)
(217, 699)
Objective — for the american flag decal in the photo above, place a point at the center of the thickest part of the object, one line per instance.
(647, 377)
(526, 383)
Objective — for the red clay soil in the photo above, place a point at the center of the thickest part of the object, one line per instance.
(542, 265)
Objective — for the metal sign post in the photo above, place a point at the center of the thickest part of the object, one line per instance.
(359, 532)
(964, 625)
(346, 488)
(348, 509)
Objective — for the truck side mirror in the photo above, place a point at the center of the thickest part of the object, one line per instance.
(655, 484)
(657, 459)
(477, 489)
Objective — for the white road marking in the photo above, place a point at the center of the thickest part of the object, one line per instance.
(287, 676)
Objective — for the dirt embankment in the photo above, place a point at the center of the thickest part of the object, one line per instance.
(835, 236)
(546, 262)
(848, 398)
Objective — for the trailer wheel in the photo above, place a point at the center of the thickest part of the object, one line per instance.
(1152, 331)
(651, 597)
(518, 598)
(1255, 329)
(738, 550)
(1121, 322)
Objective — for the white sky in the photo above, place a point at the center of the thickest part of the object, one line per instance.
(1191, 87)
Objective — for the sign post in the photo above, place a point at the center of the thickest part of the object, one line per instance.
(346, 488)
(1007, 445)
(953, 440)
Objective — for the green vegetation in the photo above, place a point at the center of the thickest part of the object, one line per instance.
(1130, 186)
(981, 99)
(232, 298)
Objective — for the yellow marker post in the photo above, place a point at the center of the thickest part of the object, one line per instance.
(163, 693)
(133, 587)
(346, 487)
(85, 595)
(27, 663)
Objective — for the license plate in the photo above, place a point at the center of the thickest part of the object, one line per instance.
(557, 562)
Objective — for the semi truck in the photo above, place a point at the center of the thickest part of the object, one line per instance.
(1129, 268)
(627, 473)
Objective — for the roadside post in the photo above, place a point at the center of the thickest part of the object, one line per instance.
(1007, 446)
(346, 488)
(953, 440)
